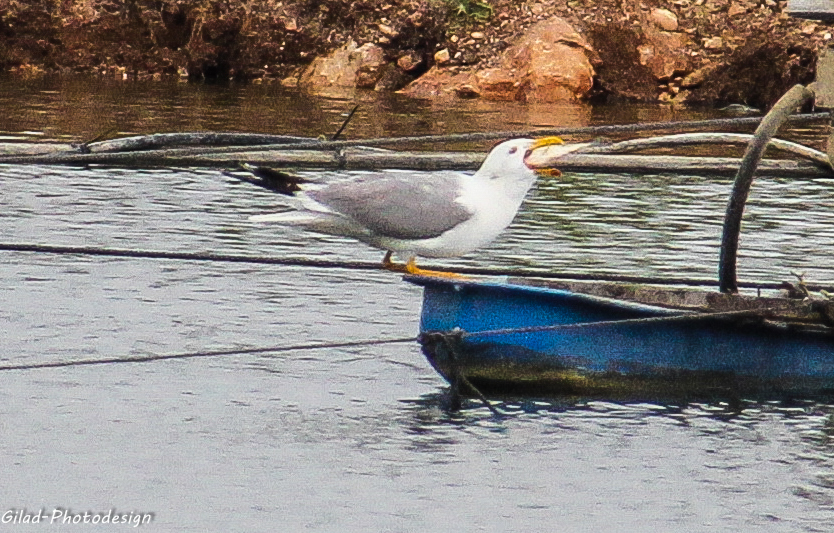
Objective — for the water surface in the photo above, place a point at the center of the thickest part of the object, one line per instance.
(359, 439)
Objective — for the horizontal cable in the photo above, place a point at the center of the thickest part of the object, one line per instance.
(372, 265)
(219, 353)
(578, 130)
(187, 256)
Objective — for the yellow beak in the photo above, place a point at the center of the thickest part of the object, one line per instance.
(541, 143)
(546, 141)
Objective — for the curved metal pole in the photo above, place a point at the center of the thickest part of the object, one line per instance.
(777, 116)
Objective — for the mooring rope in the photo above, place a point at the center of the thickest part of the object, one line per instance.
(218, 353)
(373, 265)
(187, 256)
(579, 130)
(314, 144)
(683, 317)
(450, 340)
(158, 140)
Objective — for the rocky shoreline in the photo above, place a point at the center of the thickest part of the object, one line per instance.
(679, 51)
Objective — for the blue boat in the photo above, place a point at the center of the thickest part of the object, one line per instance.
(530, 336)
(630, 340)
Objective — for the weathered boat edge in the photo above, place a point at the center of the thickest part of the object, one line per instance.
(774, 360)
(624, 384)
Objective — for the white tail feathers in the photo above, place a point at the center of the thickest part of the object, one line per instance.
(288, 217)
(317, 221)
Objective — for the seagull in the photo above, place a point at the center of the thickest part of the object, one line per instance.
(436, 214)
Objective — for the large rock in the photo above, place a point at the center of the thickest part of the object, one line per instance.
(635, 60)
(441, 83)
(550, 63)
(665, 53)
(349, 67)
(665, 19)
(497, 84)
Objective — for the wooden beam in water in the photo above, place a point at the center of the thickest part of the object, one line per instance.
(359, 159)
(26, 149)
(667, 164)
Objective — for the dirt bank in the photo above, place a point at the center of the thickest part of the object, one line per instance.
(744, 51)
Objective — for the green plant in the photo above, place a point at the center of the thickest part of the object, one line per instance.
(471, 8)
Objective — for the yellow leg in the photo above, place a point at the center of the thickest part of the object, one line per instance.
(412, 268)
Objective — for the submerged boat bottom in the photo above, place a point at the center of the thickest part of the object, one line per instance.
(507, 374)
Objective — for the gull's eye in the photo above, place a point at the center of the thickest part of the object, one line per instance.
(513, 150)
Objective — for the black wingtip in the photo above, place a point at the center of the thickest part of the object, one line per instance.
(271, 179)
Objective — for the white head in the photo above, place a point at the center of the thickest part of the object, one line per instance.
(507, 159)
(506, 163)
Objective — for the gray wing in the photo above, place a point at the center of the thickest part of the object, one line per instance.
(401, 205)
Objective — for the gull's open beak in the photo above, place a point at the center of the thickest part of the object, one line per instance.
(546, 141)
(541, 143)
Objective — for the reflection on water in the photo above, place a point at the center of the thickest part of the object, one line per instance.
(682, 461)
(360, 439)
(82, 108)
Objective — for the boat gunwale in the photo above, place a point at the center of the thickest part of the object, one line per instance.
(509, 286)
(804, 319)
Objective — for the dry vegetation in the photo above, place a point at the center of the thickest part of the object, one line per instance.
(740, 43)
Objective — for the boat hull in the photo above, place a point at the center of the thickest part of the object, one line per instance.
(606, 346)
